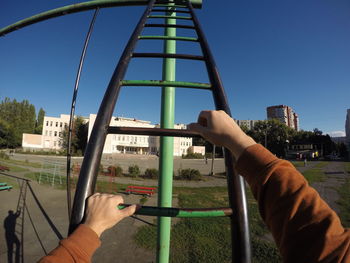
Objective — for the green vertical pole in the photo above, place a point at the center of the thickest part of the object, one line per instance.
(166, 144)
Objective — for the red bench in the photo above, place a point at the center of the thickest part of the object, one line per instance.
(132, 189)
(4, 168)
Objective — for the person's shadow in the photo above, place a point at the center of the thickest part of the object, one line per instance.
(11, 238)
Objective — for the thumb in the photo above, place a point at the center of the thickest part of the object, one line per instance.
(128, 211)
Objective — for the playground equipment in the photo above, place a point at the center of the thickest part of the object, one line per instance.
(51, 172)
(237, 211)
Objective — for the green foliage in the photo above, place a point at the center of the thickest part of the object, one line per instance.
(16, 118)
(189, 174)
(192, 156)
(4, 156)
(151, 173)
(115, 170)
(79, 136)
(40, 121)
(134, 170)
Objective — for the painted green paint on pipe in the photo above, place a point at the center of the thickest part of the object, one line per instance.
(170, 38)
(181, 213)
(84, 6)
(159, 83)
(171, 17)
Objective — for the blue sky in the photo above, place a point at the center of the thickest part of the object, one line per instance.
(269, 52)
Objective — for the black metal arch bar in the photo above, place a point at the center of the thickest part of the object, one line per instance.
(72, 109)
(241, 249)
(70, 9)
(87, 178)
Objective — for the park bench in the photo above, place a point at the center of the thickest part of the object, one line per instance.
(4, 168)
(4, 186)
(132, 189)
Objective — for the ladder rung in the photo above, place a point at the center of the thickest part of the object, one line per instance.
(181, 212)
(166, 25)
(165, 5)
(152, 131)
(169, 38)
(171, 17)
(175, 11)
(161, 83)
(163, 55)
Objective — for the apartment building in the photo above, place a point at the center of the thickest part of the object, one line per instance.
(284, 114)
(246, 123)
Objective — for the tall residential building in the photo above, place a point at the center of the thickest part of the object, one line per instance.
(284, 114)
(347, 127)
(247, 123)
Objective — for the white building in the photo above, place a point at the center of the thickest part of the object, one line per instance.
(53, 128)
(138, 144)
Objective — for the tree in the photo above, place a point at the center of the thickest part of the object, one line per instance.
(79, 136)
(40, 121)
(16, 118)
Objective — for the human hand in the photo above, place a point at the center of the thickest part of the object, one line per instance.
(221, 130)
(102, 212)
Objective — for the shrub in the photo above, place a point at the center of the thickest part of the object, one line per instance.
(4, 156)
(134, 170)
(151, 173)
(115, 170)
(189, 174)
(192, 156)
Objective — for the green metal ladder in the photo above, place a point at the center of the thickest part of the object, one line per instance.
(87, 179)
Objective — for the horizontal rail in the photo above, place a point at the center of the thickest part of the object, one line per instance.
(161, 83)
(169, 38)
(175, 11)
(165, 55)
(152, 131)
(5, 187)
(165, 5)
(84, 6)
(180, 212)
(170, 25)
(171, 17)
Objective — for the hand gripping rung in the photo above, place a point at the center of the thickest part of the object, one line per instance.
(164, 55)
(152, 131)
(180, 212)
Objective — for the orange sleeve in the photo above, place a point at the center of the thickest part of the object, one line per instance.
(78, 247)
(304, 227)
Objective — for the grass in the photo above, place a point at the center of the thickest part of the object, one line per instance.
(316, 173)
(298, 163)
(9, 181)
(208, 239)
(14, 168)
(23, 163)
(344, 199)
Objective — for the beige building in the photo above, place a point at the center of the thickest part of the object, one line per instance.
(197, 149)
(284, 114)
(32, 141)
(53, 128)
(138, 144)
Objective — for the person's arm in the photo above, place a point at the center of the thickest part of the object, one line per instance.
(101, 214)
(304, 227)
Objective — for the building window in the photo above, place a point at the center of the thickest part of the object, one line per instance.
(123, 139)
(47, 123)
(56, 123)
(50, 133)
(51, 123)
(55, 134)
(45, 133)
(54, 143)
(60, 134)
(61, 124)
(59, 143)
(118, 138)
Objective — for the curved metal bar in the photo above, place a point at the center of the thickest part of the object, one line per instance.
(180, 212)
(241, 249)
(72, 109)
(84, 6)
(93, 153)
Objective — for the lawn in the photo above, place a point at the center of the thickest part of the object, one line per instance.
(344, 198)
(315, 174)
(208, 239)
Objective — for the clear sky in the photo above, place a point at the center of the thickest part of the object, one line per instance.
(269, 52)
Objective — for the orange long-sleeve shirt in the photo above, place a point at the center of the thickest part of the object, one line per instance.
(304, 227)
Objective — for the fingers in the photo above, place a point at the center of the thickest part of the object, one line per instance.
(128, 211)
